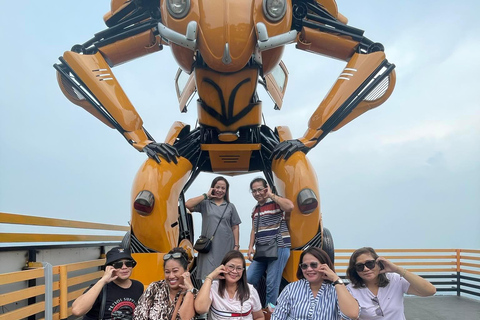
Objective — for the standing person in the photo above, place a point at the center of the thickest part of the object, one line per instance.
(269, 222)
(174, 294)
(229, 297)
(219, 216)
(379, 285)
(121, 293)
(319, 294)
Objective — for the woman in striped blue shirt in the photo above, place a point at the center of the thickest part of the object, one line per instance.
(319, 294)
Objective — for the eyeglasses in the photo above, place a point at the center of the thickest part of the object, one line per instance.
(378, 311)
(305, 266)
(370, 264)
(119, 264)
(232, 268)
(258, 190)
(176, 255)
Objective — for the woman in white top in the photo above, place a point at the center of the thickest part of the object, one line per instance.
(379, 285)
(225, 294)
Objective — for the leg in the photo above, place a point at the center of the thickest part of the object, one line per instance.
(159, 230)
(274, 275)
(255, 272)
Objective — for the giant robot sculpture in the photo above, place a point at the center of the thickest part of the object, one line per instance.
(224, 48)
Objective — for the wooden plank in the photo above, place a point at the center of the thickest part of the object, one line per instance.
(84, 265)
(23, 275)
(21, 294)
(462, 257)
(84, 278)
(23, 312)
(470, 271)
(45, 237)
(473, 265)
(12, 218)
(470, 251)
(75, 294)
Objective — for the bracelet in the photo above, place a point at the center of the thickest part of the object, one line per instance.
(205, 197)
(208, 277)
(274, 197)
(403, 274)
(236, 246)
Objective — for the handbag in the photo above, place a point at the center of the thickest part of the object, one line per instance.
(204, 244)
(266, 252)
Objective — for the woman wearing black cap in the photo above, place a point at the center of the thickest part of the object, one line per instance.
(115, 295)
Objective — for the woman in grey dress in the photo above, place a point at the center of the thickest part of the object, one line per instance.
(212, 205)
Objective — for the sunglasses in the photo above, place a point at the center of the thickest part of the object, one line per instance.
(370, 264)
(232, 268)
(176, 255)
(378, 311)
(119, 264)
(305, 266)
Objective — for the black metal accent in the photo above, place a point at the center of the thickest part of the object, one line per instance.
(226, 117)
(185, 220)
(32, 257)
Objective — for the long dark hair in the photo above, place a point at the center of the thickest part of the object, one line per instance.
(320, 255)
(220, 178)
(243, 291)
(352, 273)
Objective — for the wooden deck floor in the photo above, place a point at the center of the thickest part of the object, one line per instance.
(441, 308)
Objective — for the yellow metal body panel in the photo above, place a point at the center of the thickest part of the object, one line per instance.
(290, 271)
(97, 76)
(159, 229)
(149, 267)
(230, 159)
(226, 99)
(291, 176)
(327, 44)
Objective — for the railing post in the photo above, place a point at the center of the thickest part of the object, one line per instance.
(458, 272)
(63, 292)
(48, 274)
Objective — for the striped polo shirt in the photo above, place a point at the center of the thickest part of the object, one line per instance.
(272, 224)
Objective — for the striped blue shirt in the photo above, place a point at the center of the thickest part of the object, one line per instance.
(296, 302)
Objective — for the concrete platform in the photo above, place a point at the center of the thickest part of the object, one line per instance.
(441, 308)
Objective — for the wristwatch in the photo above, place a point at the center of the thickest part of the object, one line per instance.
(338, 281)
(193, 290)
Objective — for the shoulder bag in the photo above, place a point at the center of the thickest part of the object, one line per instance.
(269, 251)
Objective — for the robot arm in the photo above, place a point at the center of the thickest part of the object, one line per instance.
(86, 78)
(366, 82)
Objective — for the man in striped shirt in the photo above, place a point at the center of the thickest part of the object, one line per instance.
(269, 222)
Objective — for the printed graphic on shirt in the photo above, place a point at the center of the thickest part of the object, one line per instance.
(122, 309)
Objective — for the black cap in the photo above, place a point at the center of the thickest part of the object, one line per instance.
(118, 253)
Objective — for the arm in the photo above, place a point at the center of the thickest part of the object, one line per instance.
(284, 203)
(236, 236)
(187, 309)
(418, 285)
(353, 93)
(250, 245)
(85, 302)
(258, 315)
(192, 203)
(346, 302)
(203, 301)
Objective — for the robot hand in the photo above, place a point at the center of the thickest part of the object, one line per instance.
(168, 152)
(287, 148)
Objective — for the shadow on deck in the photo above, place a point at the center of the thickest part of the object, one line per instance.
(441, 308)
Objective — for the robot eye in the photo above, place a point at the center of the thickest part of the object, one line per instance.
(274, 10)
(178, 8)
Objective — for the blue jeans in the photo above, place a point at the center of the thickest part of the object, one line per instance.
(274, 274)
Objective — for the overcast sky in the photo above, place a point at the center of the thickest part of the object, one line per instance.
(405, 175)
